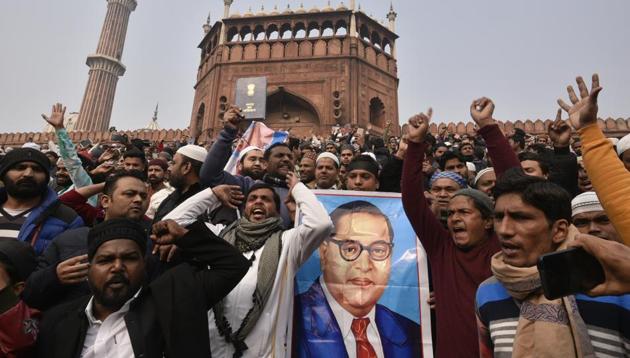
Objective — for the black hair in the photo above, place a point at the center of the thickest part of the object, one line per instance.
(258, 186)
(518, 139)
(360, 206)
(112, 180)
(11, 271)
(272, 147)
(449, 156)
(134, 152)
(540, 193)
(544, 166)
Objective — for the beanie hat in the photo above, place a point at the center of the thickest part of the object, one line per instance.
(19, 256)
(482, 201)
(114, 229)
(159, 162)
(585, 203)
(20, 155)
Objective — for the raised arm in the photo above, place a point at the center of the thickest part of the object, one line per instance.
(212, 172)
(315, 227)
(67, 150)
(499, 150)
(208, 199)
(224, 266)
(607, 173)
(427, 227)
(563, 163)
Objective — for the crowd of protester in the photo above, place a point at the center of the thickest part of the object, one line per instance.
(131, 248)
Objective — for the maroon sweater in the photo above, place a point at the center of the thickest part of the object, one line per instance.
(456, 273)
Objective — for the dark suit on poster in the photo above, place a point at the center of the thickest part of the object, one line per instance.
(317, 334)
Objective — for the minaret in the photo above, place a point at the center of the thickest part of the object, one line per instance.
(206, 26)
(353, 20)
(391, 16)
(105, 68)
(226, 14)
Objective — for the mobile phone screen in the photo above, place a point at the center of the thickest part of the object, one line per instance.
(567, 272)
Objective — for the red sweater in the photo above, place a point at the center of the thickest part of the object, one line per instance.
(456, 273)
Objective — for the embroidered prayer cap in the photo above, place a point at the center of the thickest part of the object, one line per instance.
(471, 167)
(193, 152)
(329, 156)
(449, 175)
(586, 202)
(481, 173)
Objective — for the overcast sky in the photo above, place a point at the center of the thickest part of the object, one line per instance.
(520, 53)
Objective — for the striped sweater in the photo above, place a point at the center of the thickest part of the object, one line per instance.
(607, 319)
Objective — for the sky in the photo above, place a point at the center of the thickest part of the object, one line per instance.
(522, 54)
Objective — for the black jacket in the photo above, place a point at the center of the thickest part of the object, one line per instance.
(169, 317)
(173, 200)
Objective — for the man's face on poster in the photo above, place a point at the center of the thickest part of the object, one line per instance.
(357, 282)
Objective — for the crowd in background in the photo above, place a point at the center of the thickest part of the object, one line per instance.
(133, 248)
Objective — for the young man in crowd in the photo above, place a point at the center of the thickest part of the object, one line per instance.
(29, 209)
(453, 162)
(532, 217)
(253, 319)
(62, 269)
(251, 163)
(362, 174)
(134, 159)
(347, 154)
(157, 185)
(327, 171)
(460, 255)
(124, 316)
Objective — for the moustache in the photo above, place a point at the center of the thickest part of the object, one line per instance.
(118, 278)
(26, 182)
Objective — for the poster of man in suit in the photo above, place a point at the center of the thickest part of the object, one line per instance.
(364, 292)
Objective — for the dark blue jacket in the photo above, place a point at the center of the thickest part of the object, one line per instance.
(317, 333)
(49, 219)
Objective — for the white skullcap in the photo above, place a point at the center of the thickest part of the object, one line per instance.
(245, 151)
(193, 152)
(329, 156)
(585, 203)
(614, 141)
(371, 155)
(471, 167)
(31, 145)
(481, 173)
(623, 144)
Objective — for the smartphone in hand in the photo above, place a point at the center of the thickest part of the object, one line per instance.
(568, 272)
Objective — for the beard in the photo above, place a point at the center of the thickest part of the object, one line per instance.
(176, 181)
(111, 298)
(256, 175)
(63, 180)
(154, 180)
(27, 188)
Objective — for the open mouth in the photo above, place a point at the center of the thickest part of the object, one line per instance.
(509, 249)
(457, 230)
(258, 213)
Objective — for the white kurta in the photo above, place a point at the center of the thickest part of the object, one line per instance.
(269, 336)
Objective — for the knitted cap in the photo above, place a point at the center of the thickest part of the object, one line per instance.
(482, 201)
(19, 256)
(20, 155)
(114, 229)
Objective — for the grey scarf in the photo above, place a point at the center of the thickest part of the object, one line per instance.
(247, 236)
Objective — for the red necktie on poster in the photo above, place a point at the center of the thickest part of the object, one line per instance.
(359, 329)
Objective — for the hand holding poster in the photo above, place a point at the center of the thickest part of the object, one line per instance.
(364, 292)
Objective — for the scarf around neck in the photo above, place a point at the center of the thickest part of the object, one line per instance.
(247, 236)
(546, 328)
